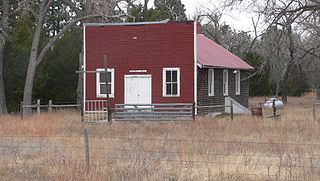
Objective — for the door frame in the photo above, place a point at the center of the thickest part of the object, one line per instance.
(139, 76)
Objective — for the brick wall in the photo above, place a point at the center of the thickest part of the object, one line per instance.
(218, 99)
(142, 47)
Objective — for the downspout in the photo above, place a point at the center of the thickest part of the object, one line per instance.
(195, 62)
(84, 69)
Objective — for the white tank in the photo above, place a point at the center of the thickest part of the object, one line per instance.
(268, 105)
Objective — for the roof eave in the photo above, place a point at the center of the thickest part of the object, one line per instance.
(221, 67)
(127, 23)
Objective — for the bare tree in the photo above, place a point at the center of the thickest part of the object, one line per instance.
(4, 36)
(312, 62)
(292, 18)
(96, 9)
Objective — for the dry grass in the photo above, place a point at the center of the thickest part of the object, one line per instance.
(51, 147)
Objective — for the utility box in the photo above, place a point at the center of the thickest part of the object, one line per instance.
(256, 111)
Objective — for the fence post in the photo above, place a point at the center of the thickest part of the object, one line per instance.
(194, 111)
(82, 113)
(38, 106)
(231, 110)
(50, 106)
(314, 112)
(86, 142)
(21, 110)
(109, 114)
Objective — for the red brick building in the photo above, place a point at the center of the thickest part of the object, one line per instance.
(158, 62)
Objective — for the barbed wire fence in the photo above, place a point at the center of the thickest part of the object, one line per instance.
(296, 159)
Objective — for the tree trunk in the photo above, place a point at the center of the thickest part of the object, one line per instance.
(28, 87)
(318, 93)
(287, 69)
(277, 88)
(3, 107)
(4, 34)
(285, 87)
(80, 81)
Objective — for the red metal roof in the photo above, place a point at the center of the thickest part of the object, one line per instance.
(213, 55)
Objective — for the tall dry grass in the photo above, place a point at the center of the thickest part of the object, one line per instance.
(51, 147)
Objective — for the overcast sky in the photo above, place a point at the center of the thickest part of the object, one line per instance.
(237, 19)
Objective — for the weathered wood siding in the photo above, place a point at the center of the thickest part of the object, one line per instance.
(218, 99)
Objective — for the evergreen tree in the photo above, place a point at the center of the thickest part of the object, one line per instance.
(170, 9)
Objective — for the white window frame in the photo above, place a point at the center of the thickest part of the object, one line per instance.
(164, 85)
(211, 74)
(225, 82)
(99, 71)
(237, 82)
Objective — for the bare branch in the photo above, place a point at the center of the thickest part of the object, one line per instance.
(73, 7)
(65, 29)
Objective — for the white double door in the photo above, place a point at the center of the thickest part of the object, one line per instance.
(137, 89)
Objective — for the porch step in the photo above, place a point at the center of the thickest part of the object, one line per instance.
(237, 107)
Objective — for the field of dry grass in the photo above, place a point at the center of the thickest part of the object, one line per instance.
(51, 147)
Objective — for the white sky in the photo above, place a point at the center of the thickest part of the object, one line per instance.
(237, 18)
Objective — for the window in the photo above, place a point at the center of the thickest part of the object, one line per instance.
(211, 82)
(102, 84)
(171, 82)
(237, 86)
(225, 83)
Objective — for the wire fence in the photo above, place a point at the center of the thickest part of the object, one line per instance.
(295, 159)
(50, 107)
(315, 106)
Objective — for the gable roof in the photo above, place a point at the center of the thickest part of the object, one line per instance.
(210, 54)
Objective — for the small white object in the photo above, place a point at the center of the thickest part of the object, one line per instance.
(135, 38)
(137, 71)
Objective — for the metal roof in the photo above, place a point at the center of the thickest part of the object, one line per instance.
(210, 54)
(126, 23)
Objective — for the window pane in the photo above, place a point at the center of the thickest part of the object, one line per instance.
(109, 77)
(210, 76)
(210, 87)
(174, 76)
(168, 76)
(103, 89)
(175, 89)
(109, 88)
(102, 77)
(168, 89)
(238, 82)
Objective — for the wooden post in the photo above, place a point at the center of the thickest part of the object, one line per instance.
(105, 62)
(194, 111)
(231, 110)
(314, 112)
(86, 142)
(38, 106)
(50, 106)
(109, 114)
(274, 108)
(82, 113)
(21, 110)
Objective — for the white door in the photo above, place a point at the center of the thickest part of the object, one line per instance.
(137, 89)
